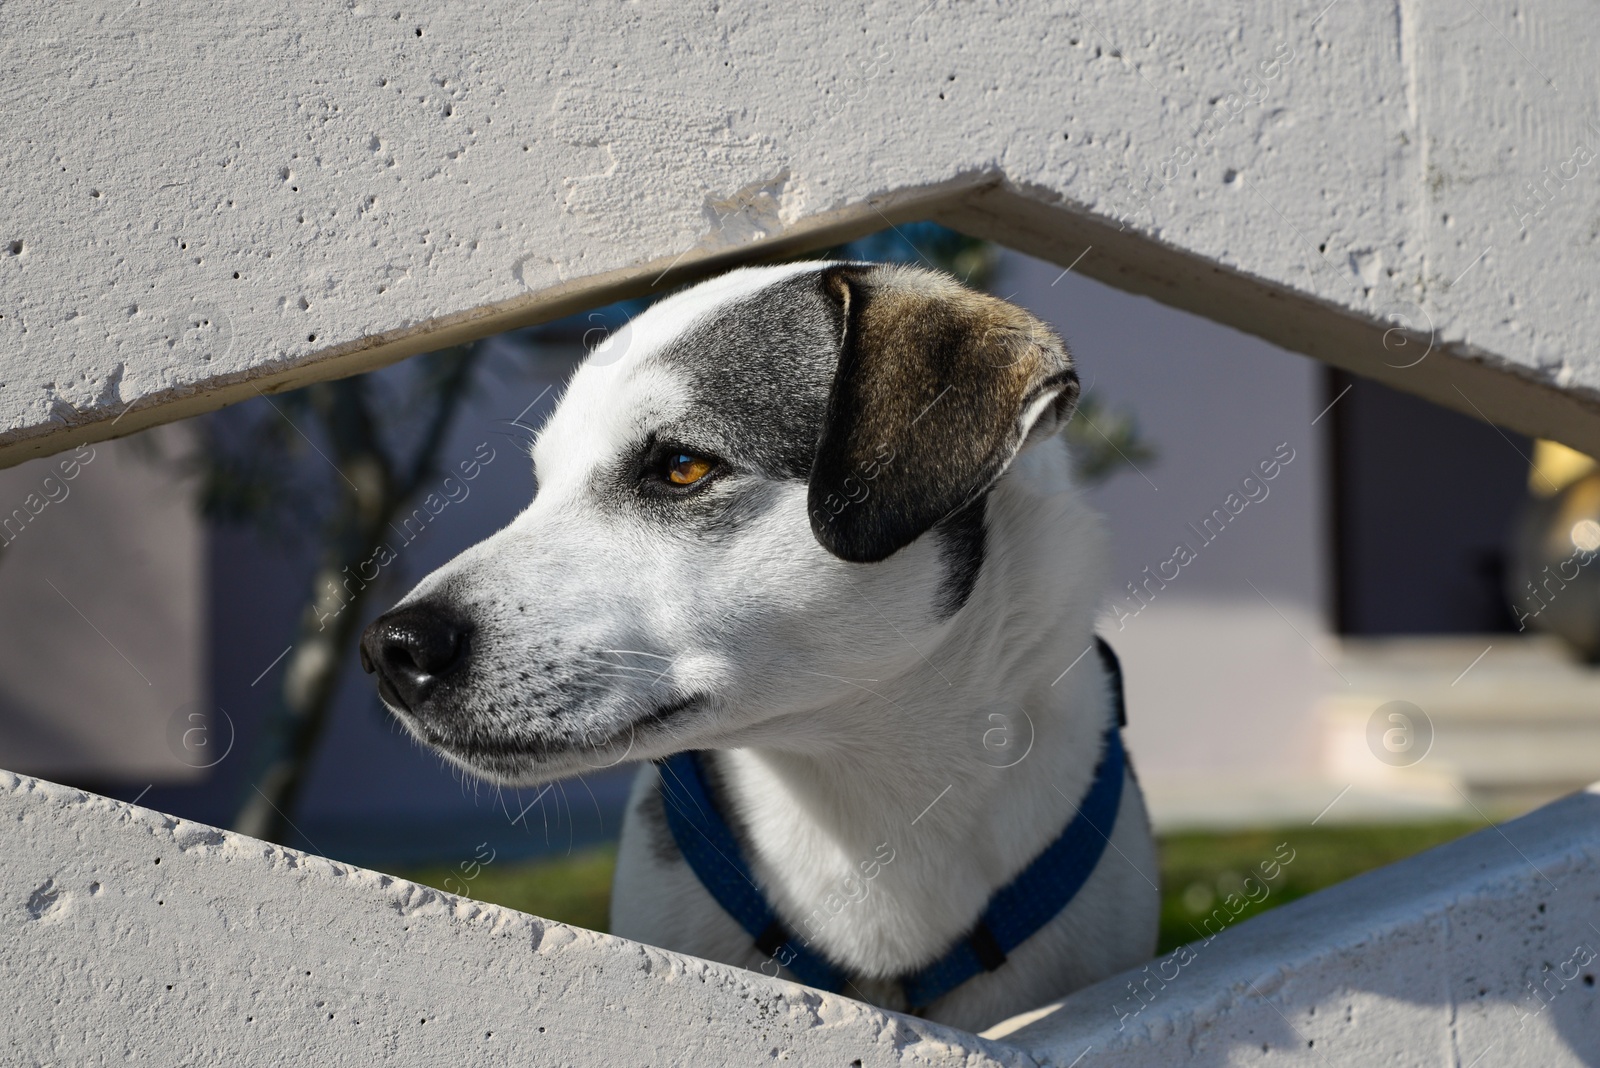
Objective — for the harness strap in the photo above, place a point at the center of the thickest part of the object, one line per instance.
(1014, 913)
(707, 843)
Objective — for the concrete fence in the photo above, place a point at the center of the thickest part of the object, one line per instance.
(134, 936)
(206, 199)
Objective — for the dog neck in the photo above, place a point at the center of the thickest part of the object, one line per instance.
(881, 833)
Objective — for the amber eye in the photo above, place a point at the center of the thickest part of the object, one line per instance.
(685, 470)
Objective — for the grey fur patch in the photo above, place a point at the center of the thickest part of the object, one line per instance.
(759, 371)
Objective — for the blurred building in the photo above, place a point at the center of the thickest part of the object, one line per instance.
(1371, 571)
(103, 575)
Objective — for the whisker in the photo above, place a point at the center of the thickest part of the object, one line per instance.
(638, 673)
(640, 652)
(598, 815)
(572, 824)
(841, 678)
(519, 425)
(623, 667)
(625, 678)
(587, 658)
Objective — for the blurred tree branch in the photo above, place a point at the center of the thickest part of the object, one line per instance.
(1104, 441)
(376, 483)
(382, 435)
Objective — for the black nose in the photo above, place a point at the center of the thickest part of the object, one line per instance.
(411, 649)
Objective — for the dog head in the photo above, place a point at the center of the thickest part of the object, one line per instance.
(760, 483)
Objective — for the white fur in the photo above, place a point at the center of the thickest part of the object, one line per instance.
(839, 705)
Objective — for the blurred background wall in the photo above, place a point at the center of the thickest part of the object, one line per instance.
(145, 637)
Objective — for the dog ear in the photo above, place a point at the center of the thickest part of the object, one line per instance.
(937, 389)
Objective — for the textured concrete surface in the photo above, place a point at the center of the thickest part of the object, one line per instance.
(132, 936)
(205, 199)
(1482, 952)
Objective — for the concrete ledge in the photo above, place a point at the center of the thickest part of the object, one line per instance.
(1482, 952)
(133, 936)
(206, 198)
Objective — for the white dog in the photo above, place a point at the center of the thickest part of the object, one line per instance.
(814, 523)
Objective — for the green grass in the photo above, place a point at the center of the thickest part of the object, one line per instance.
(574, 889)
(1198, 872)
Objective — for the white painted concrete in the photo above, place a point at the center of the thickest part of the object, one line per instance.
(132, 936)
(382, 178)
(1482, 952)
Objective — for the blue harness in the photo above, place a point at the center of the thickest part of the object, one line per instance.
(1013, 913)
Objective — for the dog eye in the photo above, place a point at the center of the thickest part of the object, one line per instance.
(685, 469)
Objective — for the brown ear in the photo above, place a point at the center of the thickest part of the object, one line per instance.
(936, 390)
